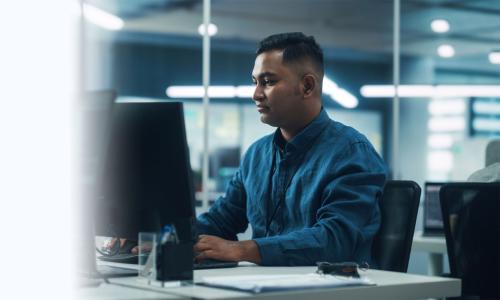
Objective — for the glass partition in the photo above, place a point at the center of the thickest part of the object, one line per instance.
(450, 91)
(153, 51)
(356, 37)
(141, 48)
(448, 68)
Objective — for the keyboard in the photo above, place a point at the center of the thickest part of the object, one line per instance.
(129, 258)
(214, 264)
(123, 258)
(111, 271)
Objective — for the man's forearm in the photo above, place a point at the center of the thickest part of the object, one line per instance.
(249, 252)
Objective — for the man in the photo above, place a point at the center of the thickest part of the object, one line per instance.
(309, 190)
(491, 172)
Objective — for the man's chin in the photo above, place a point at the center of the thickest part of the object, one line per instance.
(266, 119)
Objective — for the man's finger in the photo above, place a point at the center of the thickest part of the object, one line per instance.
(199, 256)
(204, 238)
(110, 244)
(199, 247)
(206, 254)
(144, 248)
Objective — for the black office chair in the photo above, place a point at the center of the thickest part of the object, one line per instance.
(471, 217)
(398, 207)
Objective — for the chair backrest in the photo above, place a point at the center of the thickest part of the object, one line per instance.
(471, 217)
(398, 207)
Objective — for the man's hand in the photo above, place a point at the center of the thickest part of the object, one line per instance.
(209, 246)
(113, 244)
(116, 245)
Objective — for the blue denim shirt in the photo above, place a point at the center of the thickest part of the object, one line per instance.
(315, 201)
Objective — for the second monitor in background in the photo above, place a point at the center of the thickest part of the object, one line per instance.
(433, 219)
(223, 163)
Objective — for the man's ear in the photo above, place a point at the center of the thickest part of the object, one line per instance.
(308, 85)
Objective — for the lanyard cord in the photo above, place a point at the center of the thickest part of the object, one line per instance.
(270, 191)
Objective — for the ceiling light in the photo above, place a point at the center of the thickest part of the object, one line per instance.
(337, 94)
(245, 91)
(446, 51)
(212, 29)
(430, 91)
(193, 91)
(451, 91)
(440, 26)
(222, 91)
(371, 91)
(494, 57)
(101, 18)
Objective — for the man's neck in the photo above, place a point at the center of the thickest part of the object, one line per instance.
(280, 141)
(289, 132)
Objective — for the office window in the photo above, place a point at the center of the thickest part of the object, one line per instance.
(445, 121)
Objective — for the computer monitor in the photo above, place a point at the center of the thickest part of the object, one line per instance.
(223, 163)
(146, 180)
(223, 157)
(433, 219)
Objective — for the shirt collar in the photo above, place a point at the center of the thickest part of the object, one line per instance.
(306, 136)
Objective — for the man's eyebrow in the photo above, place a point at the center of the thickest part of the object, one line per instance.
(265, 74)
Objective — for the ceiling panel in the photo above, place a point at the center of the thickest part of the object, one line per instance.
(364, 26)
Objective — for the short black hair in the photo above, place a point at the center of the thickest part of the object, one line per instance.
(295, 45)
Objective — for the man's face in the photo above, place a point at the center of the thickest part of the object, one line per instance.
(277, 90)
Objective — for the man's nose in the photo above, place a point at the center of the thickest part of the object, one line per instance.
(258, 95)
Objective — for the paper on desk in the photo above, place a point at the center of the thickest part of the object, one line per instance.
(270, 283)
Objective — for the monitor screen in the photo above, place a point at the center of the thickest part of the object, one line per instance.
(433, 220)
(146, 180)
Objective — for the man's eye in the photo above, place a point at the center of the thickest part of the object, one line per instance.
(263, 82)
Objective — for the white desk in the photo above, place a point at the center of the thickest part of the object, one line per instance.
(436, 248)
(390, 285)
(116, 291)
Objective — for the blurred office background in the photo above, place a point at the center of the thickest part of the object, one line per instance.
(151, 50)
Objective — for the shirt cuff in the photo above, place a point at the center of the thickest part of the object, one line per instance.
(271, 252)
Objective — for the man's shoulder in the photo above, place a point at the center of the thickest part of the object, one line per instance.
(343, 142)
(256, 155)
(265, 141)
(337, 132)
(490, 173)
(258, 149)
